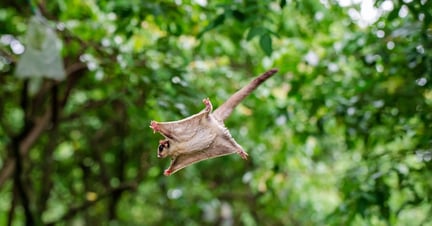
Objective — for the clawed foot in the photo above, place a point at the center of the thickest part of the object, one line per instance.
(154, 126)
(208, 104)
(243, 155)
(167, 172)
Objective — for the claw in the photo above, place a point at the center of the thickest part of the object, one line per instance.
(243, 155)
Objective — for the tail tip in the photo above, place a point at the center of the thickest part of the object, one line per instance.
(274, 70)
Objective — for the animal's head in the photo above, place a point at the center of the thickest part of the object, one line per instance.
(163, 148)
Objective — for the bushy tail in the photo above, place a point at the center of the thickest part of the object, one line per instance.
(223, 111)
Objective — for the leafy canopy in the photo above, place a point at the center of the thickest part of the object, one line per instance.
(341, 136)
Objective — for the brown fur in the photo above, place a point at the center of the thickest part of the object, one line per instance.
(203, 135)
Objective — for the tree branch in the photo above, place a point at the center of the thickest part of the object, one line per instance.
(41, 123)
(16, 151)
(24, 145)
(12, 208)
(89, 203)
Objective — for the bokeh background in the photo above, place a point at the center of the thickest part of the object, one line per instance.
(342, 135)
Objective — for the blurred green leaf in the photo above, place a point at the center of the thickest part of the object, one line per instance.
(213, 24)
(266, 44)
(282, 3)
(239, 15)
(255, 31)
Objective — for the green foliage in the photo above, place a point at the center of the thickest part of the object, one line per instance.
(340, 136)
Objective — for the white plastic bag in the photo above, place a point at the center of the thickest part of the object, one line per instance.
(41, 57)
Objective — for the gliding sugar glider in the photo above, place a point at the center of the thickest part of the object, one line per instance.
(203, 135)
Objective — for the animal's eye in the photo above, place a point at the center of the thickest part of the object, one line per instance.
(161, 147)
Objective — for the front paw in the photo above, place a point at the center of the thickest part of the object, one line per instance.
(154, 125)
(167, 172)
